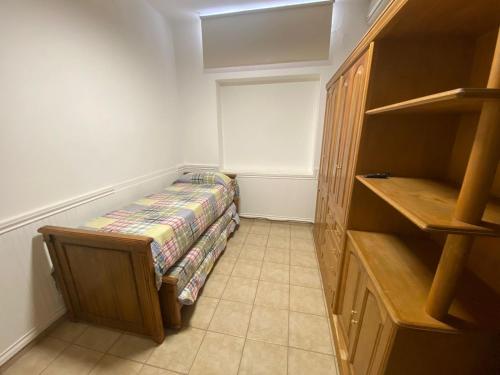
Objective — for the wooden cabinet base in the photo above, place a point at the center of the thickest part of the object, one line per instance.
(415, 352)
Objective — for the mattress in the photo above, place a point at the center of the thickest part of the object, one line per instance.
(175, 218)
(192, 270)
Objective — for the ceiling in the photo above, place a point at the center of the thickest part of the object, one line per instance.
(195, 8)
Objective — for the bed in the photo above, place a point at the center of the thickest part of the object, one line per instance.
(134, 268)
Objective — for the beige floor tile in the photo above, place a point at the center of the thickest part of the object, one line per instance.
(113, 365)
(305, 235)
(68, 331)
(214, 286)
(269, 324)
(262, 358)
(136, 348)
(199, 314)
(232, 251)
(98, 338)
(250, 252)
(74, 360)
(231, 318)
(224, 266)
(247, 268)
(310, 332)
(219, 354)
(178, 351)
(302, 244)
(303, 258)
(262, 221)
(280, 230)
(150, 370)
(238, 237)
(276, 273)
(240, 290)
(301, 362)
(272, 295)
(301, 232)
(307, 300)
(279, 242)
(273, 255)
(301, 224)
(256, 240)
(37, 358)
(258, 228)
(305, 276)
(244, 226)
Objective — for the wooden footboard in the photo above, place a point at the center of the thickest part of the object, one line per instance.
(107, 278)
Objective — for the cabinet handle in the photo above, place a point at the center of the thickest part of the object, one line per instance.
(339, 166)
(353, 321)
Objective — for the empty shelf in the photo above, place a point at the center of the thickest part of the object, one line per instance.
(430, 205)
(461, 100)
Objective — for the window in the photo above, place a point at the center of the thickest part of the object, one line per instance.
(269, 126)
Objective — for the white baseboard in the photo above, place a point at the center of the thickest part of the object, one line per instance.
(276, 218)
(29, 336)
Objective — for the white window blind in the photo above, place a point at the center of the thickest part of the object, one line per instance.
(269, 127)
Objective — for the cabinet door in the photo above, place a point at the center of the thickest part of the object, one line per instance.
(371, 338)
(352, 272)
(356, 81)
(325, 163)
(340, 107)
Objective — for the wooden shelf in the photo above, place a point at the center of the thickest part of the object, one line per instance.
(461, 100)
(430, 204)
(402, 270)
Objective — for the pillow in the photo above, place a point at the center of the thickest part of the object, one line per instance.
(206, 178)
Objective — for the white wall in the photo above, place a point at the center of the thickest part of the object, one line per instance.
(88, 121)
(198, 93)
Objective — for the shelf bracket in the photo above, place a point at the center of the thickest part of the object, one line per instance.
(474, 195)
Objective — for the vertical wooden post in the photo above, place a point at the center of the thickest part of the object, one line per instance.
(472, 200)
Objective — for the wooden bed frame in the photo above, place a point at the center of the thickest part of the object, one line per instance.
(109, 279)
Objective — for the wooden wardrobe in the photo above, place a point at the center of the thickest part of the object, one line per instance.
(411, 263)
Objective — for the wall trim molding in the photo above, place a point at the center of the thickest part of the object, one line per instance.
(29, 336)
(277, 218)
(24, 219)
(250, 174)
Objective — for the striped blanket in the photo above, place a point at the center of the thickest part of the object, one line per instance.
(175, 218)
(192, 270)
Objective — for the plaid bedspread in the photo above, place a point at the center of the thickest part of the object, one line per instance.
(190, 292)
(175, 218)
(185, 268)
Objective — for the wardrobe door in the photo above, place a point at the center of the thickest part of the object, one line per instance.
(340, 107)
(356, 81)
(322, 176)
(325, 164)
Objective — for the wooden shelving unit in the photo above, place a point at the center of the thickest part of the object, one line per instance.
(416, 287)
(403, 270)
(462, 100)
(430, 205)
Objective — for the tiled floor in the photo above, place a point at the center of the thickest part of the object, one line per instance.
(261, 312)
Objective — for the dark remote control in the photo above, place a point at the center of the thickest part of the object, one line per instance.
(377, 175)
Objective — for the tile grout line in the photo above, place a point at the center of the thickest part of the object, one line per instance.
(210, 321)
(250, 319)
(289, 301)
